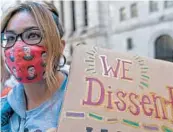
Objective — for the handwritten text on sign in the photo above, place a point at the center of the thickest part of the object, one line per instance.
(147, 104)
(117, 92)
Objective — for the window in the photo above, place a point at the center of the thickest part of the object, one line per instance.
(73, 16)
(62, 11)
(85, 13)
(52, 2)
(129, 43)
(168, 4)
(122, 14)
(134, 11)
(71, 50)
(153, 6)
(18, 1)
(164, 48)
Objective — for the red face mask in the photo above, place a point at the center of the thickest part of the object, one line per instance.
(27, 63)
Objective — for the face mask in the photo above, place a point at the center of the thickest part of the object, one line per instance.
(27, 63)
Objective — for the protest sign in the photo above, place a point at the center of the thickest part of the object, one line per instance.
(117, 92)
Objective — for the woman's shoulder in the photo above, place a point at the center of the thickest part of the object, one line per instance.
(6, 113)
(6, 110)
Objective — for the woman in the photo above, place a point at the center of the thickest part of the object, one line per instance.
(28, 30)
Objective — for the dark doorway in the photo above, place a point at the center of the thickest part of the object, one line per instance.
(164, 48)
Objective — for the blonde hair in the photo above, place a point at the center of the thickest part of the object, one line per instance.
(4, 74)
(52, 32)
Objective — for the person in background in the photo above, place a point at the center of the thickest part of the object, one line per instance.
(34, 104)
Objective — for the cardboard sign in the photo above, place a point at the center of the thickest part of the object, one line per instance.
(116, 92)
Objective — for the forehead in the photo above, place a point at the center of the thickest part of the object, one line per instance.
(20, 21)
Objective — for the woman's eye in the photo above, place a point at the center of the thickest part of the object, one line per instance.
(10, 39)
(33, 36)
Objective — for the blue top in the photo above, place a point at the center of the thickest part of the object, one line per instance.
(39, 119)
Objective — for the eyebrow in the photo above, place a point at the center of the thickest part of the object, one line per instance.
(28, 28)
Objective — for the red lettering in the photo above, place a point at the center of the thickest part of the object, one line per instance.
(89, 101)
(109, 100)
(121, 105)
(107, 70)
(124, 70)
(137, 111)
(146, 101)
(171, 99)
(156, 106)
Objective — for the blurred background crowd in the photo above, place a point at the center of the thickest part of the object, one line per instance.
(141, 27)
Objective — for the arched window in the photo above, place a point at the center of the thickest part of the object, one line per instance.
(164, 48)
